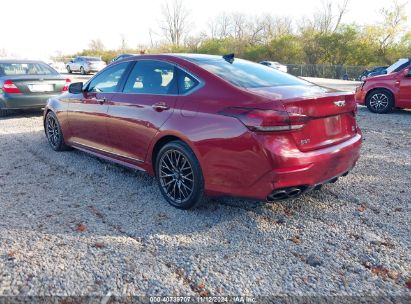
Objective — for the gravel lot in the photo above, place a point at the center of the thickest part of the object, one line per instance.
(72, 224)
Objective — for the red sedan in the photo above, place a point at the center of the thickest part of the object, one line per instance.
(210, 126)
(383, 93)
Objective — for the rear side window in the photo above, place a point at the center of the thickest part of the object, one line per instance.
(186, 82)
(247, 74)
(107, 81)
(8, 69)
(152, 77)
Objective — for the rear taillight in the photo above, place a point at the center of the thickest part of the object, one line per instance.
(267, 120)
(10, 87)
(66, 86)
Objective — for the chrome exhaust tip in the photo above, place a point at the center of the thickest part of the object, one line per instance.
(286, 193)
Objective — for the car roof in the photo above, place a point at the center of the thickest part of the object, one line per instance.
(177, 56)
(195, 56)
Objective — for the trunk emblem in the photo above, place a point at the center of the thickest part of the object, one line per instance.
(339, 103)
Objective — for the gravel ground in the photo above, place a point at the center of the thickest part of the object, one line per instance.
(71, 224)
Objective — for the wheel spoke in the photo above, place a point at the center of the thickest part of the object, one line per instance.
(379, 101)
(176, 176)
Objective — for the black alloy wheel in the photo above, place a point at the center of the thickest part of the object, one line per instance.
(179, 175)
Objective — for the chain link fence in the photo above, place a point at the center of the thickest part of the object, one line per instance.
(326, 71)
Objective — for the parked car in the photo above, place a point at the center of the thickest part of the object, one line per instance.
(275, 65)
(59, 66)
(85, 65)
(371, 73)
(210, 126)
(377, 71)
(383, 93)
(123, 56)
(26, 84)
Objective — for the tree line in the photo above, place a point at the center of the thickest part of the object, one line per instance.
(322, 39)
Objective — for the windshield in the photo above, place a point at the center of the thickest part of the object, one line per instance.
(247, 74)
(36, 68)
(398, 66)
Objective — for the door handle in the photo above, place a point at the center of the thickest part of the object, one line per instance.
(160, 106)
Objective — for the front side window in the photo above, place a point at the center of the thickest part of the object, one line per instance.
(152, 77)
(107, 81)
(247, 74)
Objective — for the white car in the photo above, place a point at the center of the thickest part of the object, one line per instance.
(85, 65)
(275, 65)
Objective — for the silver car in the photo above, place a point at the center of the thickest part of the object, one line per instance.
(275, 65)
(85, 65)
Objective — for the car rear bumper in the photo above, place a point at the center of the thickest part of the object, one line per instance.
(305, 170)
(93, 69)
(19, 101)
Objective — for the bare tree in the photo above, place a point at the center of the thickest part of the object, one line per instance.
(96, 45)
(240, 26)
(328, 18)
(123, 43)
(194, 42)
(175, 23)
(395, 19)
(341, 11)
(274, 27)
(221, 26)
(3, 53)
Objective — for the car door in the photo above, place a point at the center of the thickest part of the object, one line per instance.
(74, 66)
(145, 103)
(405, 91)
(87, 112)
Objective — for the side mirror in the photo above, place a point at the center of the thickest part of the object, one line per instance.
(76, 88)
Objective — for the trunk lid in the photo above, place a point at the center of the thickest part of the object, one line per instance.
(332, 114)
(38, 85)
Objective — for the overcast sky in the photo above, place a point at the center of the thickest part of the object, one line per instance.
(37, 29)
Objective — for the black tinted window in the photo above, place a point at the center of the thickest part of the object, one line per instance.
(107, 81)
(248, 74)
(152, 77)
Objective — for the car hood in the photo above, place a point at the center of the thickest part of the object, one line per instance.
(297, 91)
(383, 76)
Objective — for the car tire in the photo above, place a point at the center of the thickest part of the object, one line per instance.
(179, 175)
(82, 71)
(4, 112)
(380, 101)
(54, 134)
(69, 69)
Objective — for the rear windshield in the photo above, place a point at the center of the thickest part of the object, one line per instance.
(7, 69)
(247, 74)
(92, 58)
